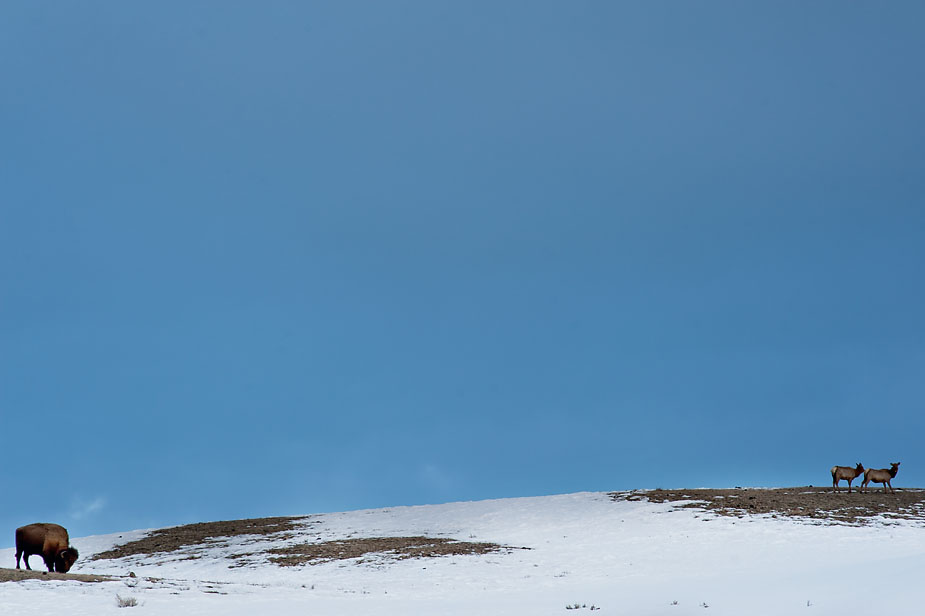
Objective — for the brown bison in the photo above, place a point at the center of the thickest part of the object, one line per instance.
(49, 540)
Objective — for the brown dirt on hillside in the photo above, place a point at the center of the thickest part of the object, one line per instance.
(190, 539)
(18, 575)
(192, 535)
(398, 548)
(810, 503)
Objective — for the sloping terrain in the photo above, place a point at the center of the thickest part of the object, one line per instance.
(674, 552)
(192, 541)
(19, 575)
(805, 503)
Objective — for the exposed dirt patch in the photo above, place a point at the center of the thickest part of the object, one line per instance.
(18, 575)
(801, 502)
(188, 542)
(178, 537)
(397, 548)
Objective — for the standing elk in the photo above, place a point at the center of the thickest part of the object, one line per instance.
(881, 475)
(48, 540)
(847, 473)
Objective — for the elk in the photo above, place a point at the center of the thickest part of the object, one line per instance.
(881, 475)
(847, 473)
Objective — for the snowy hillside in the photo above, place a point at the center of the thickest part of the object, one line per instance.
(566, 554)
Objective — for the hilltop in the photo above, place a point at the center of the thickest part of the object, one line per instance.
(755, 551)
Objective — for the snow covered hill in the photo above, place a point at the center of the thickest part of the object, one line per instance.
(565, 554)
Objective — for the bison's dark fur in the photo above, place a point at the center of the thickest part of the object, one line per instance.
(48, 540)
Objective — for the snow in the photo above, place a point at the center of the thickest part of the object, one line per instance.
(623, 557)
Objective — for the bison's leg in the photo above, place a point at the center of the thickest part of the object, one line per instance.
(50, 563)
(18, 554)
(25, 559)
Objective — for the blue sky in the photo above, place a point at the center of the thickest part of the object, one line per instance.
(299, 257)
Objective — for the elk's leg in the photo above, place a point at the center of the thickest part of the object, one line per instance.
(849, 486)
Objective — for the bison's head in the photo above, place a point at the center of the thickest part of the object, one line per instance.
(65, 560)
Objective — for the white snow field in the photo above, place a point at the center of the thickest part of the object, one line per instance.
(626, 557)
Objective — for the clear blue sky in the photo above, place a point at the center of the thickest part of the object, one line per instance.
(291, 257)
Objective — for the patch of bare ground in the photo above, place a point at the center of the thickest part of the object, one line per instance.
(188, 541)
(176, 538)
(808, 503)
(398, 548)
(18, 575)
